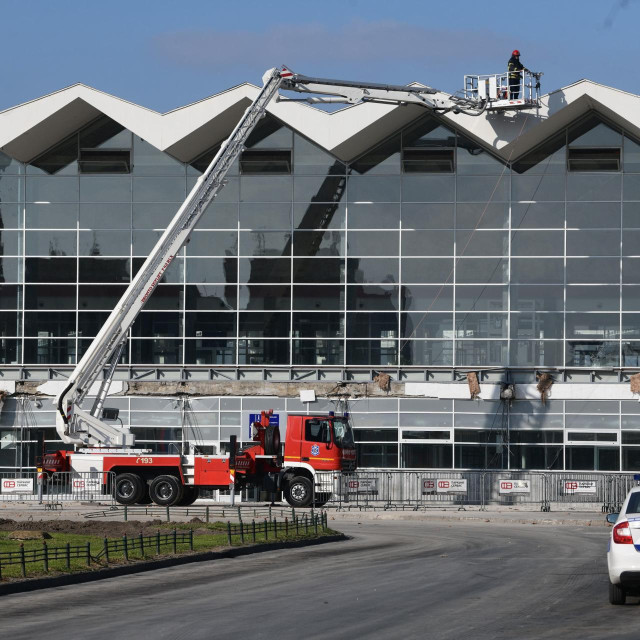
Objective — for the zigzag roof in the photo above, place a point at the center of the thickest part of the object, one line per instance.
(28, 129)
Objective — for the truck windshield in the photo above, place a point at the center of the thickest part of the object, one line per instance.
(342, 433)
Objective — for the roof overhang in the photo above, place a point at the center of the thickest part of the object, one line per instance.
(29, 129)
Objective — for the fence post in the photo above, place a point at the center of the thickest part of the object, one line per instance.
(286, 527)
(191, 539)
(175, 541)
(45, 550)
(296, 521)
(106, 550)
(88, 554)
(141, 540)
(306, 524)
(22, 560)
(126, 547)
(266, 529)
(275, 528)
(168, 514)
(207, 514)
(316, 523)
(241, 530)
(253, 530)
(158, 542)
(126, 513)
(482, 491)
(68, 555)
(229, 532)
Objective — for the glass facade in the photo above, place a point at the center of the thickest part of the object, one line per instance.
(576, 435)
(426, 251)
(405, 257)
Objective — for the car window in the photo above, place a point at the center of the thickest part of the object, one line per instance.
(634, 503)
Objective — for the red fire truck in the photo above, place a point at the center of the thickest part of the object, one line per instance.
(312, 443)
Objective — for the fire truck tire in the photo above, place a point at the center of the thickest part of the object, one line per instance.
(129, 488)
(322, 499)
(299, 492)
(146, 498)
(189, 496)
(272, 440)
(166, 491)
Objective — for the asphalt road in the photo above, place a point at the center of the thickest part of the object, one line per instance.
(433, 580)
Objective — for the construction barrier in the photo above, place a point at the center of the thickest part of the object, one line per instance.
(66, 486)
(423, 489)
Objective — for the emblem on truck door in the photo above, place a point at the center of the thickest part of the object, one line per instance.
(315, 450)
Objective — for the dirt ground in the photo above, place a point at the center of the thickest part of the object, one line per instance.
(100, 528)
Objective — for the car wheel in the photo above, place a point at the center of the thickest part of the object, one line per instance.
(166, 491)
(299, 492)
(129, 488)
(617, 594)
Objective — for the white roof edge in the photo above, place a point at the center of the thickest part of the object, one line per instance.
(343, 132)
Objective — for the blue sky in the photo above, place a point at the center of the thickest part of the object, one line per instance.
(163, 54)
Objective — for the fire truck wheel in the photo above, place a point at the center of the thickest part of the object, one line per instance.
(272, 440)
(322, 499)
(298, 492)
(166, 491)
(189, 496)
(146, 498)
(129, 488)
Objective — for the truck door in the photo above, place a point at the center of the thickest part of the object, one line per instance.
(317, 447)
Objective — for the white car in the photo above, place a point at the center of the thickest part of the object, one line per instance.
(623, 552)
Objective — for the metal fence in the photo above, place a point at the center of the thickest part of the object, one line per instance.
(459, 489)
(66, 486)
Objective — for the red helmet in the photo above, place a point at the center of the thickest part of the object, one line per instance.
(515, 52)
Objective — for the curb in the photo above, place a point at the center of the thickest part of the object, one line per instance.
(510, 519)
(25, 586)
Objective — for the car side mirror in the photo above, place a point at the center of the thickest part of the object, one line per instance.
(612, 518)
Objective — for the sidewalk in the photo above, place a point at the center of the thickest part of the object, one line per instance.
(505, 515)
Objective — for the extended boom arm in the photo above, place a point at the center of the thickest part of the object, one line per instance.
(80, 427)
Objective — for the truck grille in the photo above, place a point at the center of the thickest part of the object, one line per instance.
(348, 465)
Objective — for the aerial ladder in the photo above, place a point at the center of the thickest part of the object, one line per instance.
(86, 428)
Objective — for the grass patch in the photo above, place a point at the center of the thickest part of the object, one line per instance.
(191, 537)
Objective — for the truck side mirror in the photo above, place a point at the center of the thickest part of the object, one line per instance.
(327, 435)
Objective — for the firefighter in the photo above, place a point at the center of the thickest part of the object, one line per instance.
(515, 68)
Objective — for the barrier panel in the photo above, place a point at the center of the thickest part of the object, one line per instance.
(515, 488)
(449, 488)
(66, 486)
(19, 486)
(581, 489)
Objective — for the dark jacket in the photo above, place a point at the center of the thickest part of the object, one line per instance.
(514, 67)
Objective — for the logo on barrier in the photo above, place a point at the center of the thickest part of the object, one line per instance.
(86, 487)
(361, 486)
(514, 486)
(444, 486)
(572, 487)
(17, 485)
